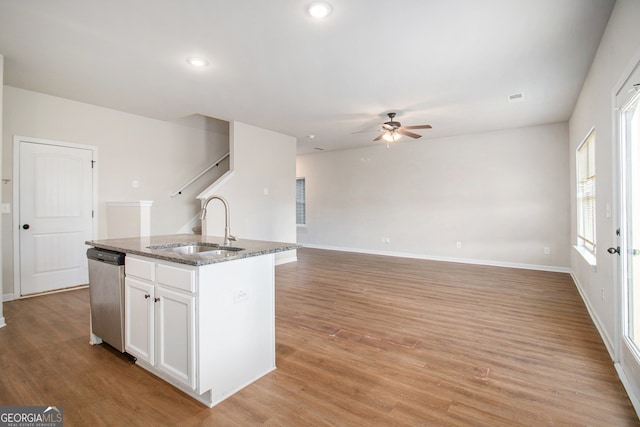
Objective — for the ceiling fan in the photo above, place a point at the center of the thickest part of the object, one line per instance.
(392, 130)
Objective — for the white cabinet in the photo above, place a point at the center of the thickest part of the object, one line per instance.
(160, 318)
(208, 330)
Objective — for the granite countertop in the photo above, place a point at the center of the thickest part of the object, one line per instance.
(140, 246)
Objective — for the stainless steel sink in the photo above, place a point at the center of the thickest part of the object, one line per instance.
(199, 249)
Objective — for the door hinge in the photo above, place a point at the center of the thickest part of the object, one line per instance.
(618, 232)
(92, 163)
(92, 214)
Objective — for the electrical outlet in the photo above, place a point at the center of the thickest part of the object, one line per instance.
(458, 245)
(6, 208)
(547, 251)
(387, 239)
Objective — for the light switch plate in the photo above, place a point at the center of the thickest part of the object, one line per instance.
(5, 208)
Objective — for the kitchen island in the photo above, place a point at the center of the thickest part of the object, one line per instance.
(200, 314)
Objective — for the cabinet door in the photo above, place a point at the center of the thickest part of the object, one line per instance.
(139, 318)
(175, 335)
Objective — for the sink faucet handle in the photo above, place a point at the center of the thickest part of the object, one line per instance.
(232, 237)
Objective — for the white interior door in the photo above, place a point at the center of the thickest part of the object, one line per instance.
(55, 215)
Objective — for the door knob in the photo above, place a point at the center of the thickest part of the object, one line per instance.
(614, 250)
(26, 226)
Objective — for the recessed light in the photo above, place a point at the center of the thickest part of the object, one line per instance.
(197, 61)
(319, 9)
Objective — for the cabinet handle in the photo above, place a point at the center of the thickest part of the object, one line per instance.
(156, 299)
(147, 296)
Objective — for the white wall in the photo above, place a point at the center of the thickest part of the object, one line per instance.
(261, 193)
(2, 322)
(160, 155)
(503, 195)
(620, 44)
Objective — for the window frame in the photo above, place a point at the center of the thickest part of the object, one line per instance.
(586, 243)
(301, 205)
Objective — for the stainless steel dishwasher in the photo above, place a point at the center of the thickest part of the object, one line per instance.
(106, 294)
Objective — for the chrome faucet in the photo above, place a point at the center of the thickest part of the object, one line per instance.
(227, 229)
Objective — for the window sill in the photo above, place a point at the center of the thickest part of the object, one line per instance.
(588, 256)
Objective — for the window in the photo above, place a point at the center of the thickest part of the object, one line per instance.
(586, 194)
(301, 209)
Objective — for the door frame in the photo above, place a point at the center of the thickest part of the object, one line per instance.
(17, 140)
(628, 374)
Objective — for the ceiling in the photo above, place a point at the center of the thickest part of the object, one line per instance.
(451, 64)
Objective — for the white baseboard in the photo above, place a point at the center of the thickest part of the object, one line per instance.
(8, 297)
(2, 322)
(444, 259)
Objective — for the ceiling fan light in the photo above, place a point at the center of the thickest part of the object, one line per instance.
(391, 136)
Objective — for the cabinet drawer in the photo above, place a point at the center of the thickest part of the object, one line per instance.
(177, 277)
(139, 268)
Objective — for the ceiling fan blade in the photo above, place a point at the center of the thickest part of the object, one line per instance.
(402, 131)
(379, 137)
(365, 131)
(417, 127)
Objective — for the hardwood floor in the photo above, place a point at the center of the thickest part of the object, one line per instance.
(361, 340)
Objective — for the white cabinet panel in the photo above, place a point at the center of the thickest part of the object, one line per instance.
(139, 319)
(139, 268)
(182, 278)
(175, 334)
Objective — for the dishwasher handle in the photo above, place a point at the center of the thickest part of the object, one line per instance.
(106, 256)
